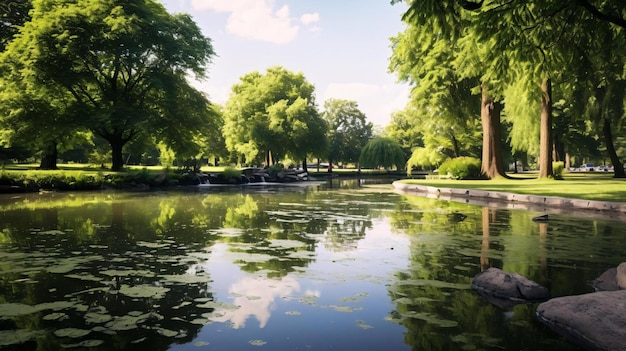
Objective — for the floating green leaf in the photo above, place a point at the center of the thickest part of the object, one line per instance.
(71, 333)
(16, 337)
(144, 291)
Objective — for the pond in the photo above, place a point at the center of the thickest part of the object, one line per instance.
(314, 267)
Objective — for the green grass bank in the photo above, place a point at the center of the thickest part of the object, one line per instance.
(587, 186)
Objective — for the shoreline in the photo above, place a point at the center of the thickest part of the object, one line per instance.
(546, 204)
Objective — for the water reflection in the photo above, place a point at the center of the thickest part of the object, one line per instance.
(345, 268)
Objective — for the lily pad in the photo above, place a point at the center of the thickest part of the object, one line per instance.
(186, 279)
(345, 309)
(71, 333)
(286, 244)
(97, 318)
(127, 322)
(9, 310)
(144, 291)
(151, 245)
(363, 325)
(57, 316)
(257, 342)
(167, 332)
(16, 337)
(128, 273)
(84, 344)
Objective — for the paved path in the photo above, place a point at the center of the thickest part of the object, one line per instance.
(613, 210)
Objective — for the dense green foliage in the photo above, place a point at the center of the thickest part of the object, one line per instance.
(273, 112)
(28, 181)
(348, 130)
(382, 152)
(535, 60)
(557, 169)
(424, 158)
(461, 168)
(116, 68)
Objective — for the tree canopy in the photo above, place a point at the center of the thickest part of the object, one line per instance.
(121, 65)
(382, 152)
(348, 130)
(273, 112)
(524, 57)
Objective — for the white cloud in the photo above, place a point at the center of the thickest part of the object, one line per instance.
(256, 297)
(310, 18)
(377, 102)
(255, 19)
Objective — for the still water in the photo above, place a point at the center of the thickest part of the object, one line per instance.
(296, 268)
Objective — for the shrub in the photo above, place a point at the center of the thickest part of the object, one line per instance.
(231, 173)
(557, 169)
(273, 170)
(462, 168)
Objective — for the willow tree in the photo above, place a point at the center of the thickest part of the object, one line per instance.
(382, 152)
(124, 64)
(273, 114)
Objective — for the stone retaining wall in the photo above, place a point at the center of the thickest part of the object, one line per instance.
(512, 200)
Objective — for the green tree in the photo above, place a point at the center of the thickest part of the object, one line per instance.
(537, 42)
(445, 70)
(382, 152)
(348, 130)
(42, 123)
(13, 14)
(124, 64)
(273, 114)
(401, 128)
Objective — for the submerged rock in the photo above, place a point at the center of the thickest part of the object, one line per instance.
(507, 289)
(594, 321)
(611, 280)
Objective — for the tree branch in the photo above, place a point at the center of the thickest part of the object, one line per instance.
(470, 5)
(620, 21)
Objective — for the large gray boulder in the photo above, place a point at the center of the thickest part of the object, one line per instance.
(507, 289)
(595, 321)
(611, 280)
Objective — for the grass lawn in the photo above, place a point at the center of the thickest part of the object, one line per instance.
(588, 186)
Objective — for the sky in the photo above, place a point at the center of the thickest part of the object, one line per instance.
(341, 46)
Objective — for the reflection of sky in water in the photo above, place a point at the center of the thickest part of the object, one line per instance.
(339, 293)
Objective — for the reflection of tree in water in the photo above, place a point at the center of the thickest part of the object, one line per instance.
(345, 234)
(433, 297)
(123, 292)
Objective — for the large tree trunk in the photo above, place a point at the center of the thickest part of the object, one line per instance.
(455, 146)
(117, 142)
(558, 153)
(49, 157)
(117, 162)
(492, 161)
(269, 161)
(545, 131)
(610, 149)
(305, 168)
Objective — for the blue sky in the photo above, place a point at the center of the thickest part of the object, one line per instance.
(341, 46)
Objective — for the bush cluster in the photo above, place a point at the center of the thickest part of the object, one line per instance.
(30, 181)
(557, 169)
(462, 168)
